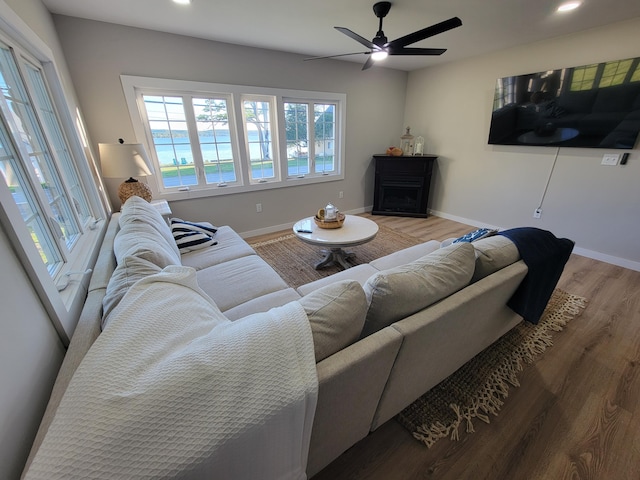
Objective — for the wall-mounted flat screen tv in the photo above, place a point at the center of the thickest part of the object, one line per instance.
(592, 106)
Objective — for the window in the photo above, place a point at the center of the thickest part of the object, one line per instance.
(213, 139)
(310, 144)
(37, 165)
(257, 118)
(216, 147)
(49, 212)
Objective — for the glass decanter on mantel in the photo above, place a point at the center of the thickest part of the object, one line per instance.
(406, 143)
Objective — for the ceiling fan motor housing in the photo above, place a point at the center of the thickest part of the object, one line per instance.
(381, 9)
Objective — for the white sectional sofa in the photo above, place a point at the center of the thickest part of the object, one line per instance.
(381, 334)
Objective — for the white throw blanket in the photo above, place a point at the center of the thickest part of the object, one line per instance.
(172, 389)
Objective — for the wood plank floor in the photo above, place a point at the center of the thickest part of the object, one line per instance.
(575, 416)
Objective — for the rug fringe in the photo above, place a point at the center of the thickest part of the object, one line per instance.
(489, 398)
(273, 240)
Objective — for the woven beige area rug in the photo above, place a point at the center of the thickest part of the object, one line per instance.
(293, 259)
(479, 388)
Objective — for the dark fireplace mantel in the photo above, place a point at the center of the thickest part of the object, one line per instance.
(402, 185)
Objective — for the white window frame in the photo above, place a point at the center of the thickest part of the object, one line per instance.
(134, 87)
(63, 305)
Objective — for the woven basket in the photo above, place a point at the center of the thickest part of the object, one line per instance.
(335, 224)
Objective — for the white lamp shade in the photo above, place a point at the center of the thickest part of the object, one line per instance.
(124, 160)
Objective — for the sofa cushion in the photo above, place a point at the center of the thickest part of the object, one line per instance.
(402, 291)
(136, 210)
(129, 271)
(359, 273)
(336, 314)
(230, 246)
(262, 303)
(492, 254)
(405, 255)
(143, 241)
(238, 281)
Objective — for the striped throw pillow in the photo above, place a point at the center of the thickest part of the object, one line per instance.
(191, 236)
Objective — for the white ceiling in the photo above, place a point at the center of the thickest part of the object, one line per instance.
(306, 27)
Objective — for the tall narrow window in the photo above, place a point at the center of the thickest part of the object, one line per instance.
(324, 137)
(258, 125)
(214, 137)
(59, 143)
(26, 198)
(297, 128)
(168, 125)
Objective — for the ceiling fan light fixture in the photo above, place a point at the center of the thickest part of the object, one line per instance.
(568, 6)
(379, 55)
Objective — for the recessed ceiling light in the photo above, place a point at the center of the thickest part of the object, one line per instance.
(182, 2)
(567, 7)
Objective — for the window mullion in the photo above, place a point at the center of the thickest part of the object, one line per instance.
(311, 135)
(196, 151)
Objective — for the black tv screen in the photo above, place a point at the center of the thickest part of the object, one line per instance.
(592, 106)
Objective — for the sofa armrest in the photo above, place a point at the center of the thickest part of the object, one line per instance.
(350, 383)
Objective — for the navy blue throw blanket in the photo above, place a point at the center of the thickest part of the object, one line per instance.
(545, 256)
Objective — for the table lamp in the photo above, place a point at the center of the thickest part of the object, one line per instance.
(122, 160)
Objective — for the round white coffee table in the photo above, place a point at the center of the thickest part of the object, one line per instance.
(355, 231)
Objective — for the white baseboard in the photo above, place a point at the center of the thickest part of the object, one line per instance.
(289, 226)
(603, 257)
(466, 221)
(583, 252)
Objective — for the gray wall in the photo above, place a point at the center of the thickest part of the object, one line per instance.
(98, 53)
(597, 206)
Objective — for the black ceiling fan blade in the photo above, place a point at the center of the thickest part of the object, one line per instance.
(417, 51)
(425, 33)
(358, 38)
(368, 64)
(339, 55)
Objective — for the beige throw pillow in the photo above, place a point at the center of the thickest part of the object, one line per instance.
(336, 314)
(396, 293)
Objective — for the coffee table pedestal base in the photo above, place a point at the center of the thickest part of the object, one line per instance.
(335, 256)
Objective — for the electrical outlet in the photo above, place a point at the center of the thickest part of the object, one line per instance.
(341, 194)
(258, 207)
(537, 213)
(610, 159)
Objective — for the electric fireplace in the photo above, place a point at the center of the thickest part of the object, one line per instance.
(402, 185)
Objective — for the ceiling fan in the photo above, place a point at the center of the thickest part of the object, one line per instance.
(379, 47)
